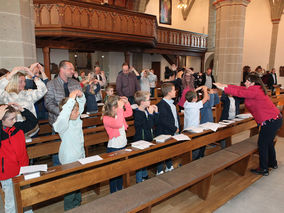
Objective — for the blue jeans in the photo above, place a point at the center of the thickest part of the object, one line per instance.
(160, 165)
(116, 183)
(140, 174)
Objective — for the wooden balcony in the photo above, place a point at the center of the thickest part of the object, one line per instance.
(86, 25)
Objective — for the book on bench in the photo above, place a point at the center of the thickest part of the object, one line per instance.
(162, 138)
(141, 144)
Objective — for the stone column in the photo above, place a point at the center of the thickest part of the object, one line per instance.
(230, 25)
(276, 8)
(17, 37)
(211, 27)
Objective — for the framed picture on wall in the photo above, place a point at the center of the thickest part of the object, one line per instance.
(166, 12)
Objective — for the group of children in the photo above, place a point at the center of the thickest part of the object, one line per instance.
(149, 121)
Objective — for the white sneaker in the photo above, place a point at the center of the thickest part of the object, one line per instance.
(170, 169)
(159, 173)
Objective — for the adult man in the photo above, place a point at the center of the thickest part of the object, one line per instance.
(59, 88)
(100, 76)
(208, 79)
(127, 83)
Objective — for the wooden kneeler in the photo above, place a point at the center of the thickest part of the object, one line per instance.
(202, 187)
(241, 166)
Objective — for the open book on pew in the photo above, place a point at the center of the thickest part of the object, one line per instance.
(244, 116)
(181, 137)
(30, 172)
(194, 129)
(210, 125)
(90, 159)
(162, 138)
(141, 144)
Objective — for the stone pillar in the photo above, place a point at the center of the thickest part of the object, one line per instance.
(17, 37)
(230, 25)
(276, 8)
(46, 61)
(211, 27)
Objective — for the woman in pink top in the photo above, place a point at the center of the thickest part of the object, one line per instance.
(114, 122)
(265, 113)
(187, 85)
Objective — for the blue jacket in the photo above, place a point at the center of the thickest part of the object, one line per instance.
(91, 98)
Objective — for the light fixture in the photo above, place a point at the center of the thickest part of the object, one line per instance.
(181, 5)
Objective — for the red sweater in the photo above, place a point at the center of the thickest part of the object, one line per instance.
(258, 104)
(112, 125)
(13, 152)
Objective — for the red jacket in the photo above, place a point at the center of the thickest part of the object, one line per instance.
(13, 152)
(258, 104)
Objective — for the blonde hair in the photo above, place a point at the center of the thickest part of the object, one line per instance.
(13, 85)
(109, 104)
(64, 101)
(141, 96)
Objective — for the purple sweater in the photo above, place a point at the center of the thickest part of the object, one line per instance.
(127, 84)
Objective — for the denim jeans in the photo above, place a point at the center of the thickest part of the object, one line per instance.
(116, 183)
(140, 174)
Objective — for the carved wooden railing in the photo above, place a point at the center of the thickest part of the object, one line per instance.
(85, 19)
(67, 17)
(181, 38)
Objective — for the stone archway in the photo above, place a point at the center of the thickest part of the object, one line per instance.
(209, 61)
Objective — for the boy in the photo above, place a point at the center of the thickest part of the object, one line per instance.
(144, 120)
(109, 92)
(13, 154)
(168, 122)
(69, 127)
(192, 107)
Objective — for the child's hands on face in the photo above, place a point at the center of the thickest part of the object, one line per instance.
(75, 93)
(155, 108)
(3, 110)
(124, 99)
(16, 106)
(151, 109)
(120, 104)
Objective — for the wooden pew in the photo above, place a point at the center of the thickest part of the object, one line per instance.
(198, 175)
(63, 179)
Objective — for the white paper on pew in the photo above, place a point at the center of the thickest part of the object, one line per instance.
(100, 104)
(128, 150)
(223, 123)
(210, 125)
(28, 139)
(244, 116)
(181, 137)
(141, 144)
(32, 175)
(90, 159)
(84, 116)
(34, 168)
(229, 121)
(134, 106)
(194, 129)
(238, 119)
(162, 138)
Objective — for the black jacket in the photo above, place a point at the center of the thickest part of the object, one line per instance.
(166, 120)
(204, 80)
(143, 125)
(226, 106)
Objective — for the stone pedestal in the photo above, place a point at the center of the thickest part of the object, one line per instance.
(17, 37)
(230, 25)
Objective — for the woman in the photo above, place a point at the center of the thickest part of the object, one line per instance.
(187, 85)
(12, 89)
(265, 114)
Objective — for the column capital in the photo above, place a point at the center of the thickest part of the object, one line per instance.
(221, 3)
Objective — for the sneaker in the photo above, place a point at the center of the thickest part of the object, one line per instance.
(260, 171)
(159, 173)
(170, 169)
(274, 167)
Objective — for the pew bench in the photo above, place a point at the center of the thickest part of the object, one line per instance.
(197, 175)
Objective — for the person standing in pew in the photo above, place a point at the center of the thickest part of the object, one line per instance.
(113, 116)
(13, 153)
(169, 121)
(145, 118)
(265, 113)
(69, 126)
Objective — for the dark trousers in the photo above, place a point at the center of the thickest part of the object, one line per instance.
(152, 91)
(131, 100)
(116, 183)
(267, 156)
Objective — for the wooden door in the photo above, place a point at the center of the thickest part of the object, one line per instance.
(156, 66)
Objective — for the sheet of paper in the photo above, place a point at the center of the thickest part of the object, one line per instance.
(238, 119)
(90, 159)
(211, 126)
(181, 137)
(229, 121)
(28, 139)
(245, 115)
(162, 138)
(141, 144)
(34, 168)
(101, 104)
(128, 150)
(194, 129)
(223, 123)
(84, 116)
(32, 175)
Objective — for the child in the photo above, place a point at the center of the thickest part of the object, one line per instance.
(231, 106)
(91, 91)
(114, 122)
(69, 127)
(168, 122)
(13, 154)
(144, 120)
(109, 92)
(192, 107)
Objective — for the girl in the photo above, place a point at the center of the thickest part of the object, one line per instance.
(91, 91)
(265, 113)
(114, 122)
(187, 85)
(69, 127)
